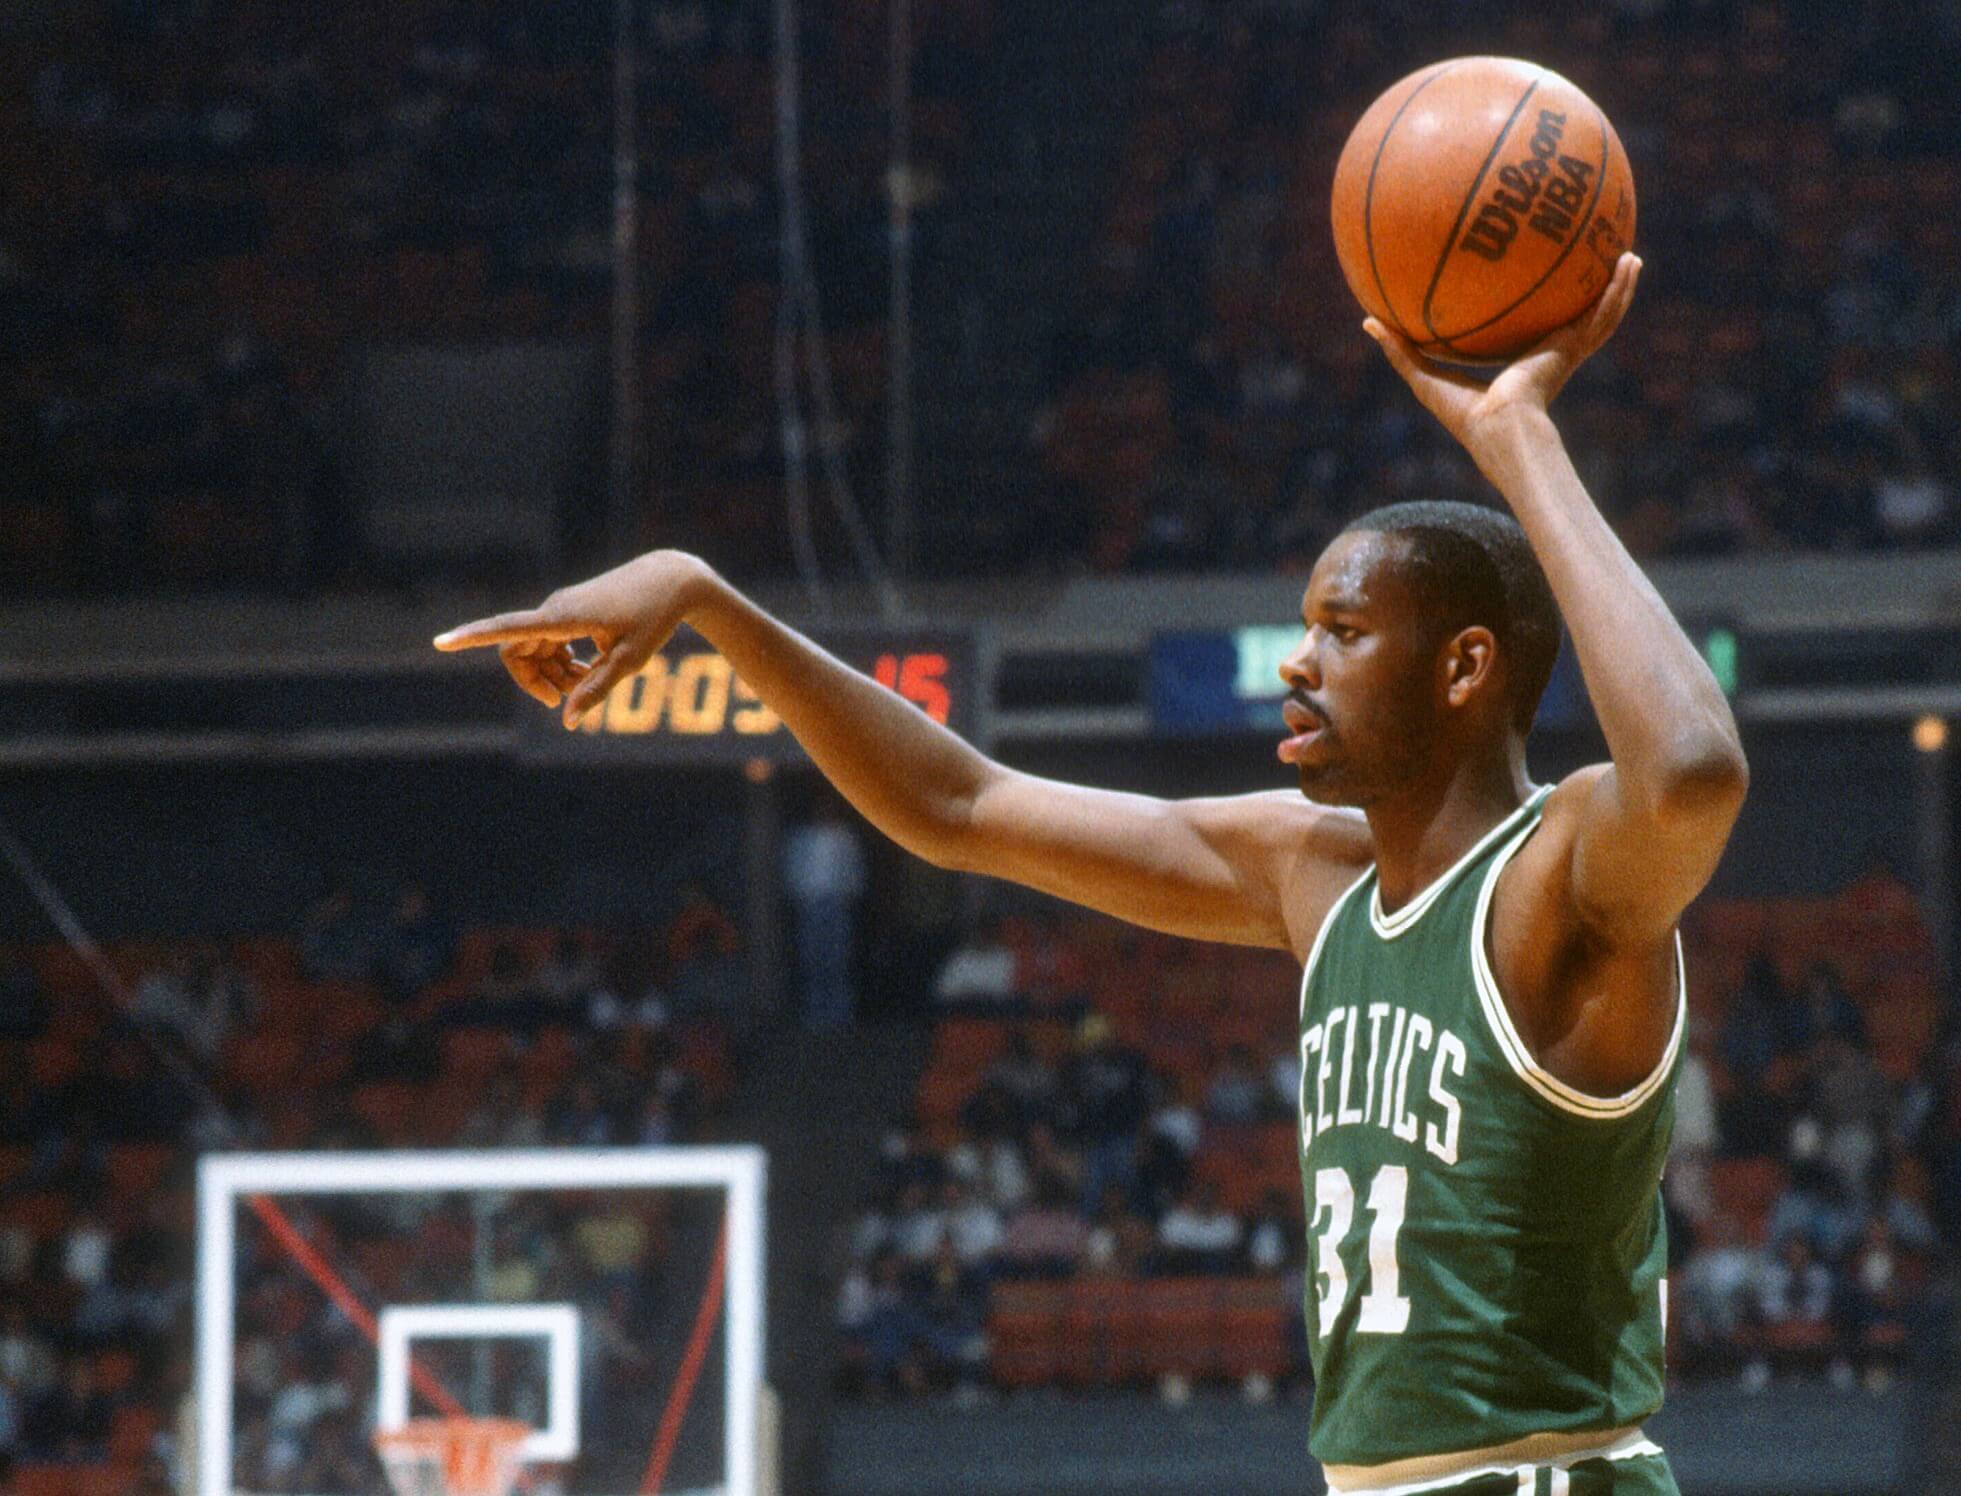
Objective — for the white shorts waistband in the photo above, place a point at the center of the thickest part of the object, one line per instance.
(1629, 1445)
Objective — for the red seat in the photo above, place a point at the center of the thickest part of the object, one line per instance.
(473, 1054)
(72, 1480)
(1746, 1189)
(132, 1434)
(1025, 1334)
(137, 1169)
(263, 1063)
(389, 1107)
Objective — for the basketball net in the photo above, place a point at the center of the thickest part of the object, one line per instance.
(452, 1456)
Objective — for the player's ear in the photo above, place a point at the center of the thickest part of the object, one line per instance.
(1469, 664)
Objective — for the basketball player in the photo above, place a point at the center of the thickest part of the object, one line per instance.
(1492, 1005)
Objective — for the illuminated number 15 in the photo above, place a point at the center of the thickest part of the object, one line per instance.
(920, 678)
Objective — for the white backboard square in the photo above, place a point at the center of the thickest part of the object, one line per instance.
(557, 1324)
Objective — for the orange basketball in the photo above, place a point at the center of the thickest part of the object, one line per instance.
(1479, 204)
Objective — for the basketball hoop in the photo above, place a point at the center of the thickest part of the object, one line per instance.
(452, 1456)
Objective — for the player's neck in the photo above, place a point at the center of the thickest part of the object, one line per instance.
(1420, 833)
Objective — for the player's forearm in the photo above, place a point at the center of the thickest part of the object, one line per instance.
(909, 776)
(1668, 727)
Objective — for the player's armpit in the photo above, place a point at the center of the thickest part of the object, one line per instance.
(1638, 862)
(1243, 869)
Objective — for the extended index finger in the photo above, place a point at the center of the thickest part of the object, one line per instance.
(527, 626)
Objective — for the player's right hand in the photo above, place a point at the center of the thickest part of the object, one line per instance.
(627, 612)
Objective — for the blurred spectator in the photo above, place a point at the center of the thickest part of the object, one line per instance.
(1750, 1039)
(336, 943)
(1022, 1083)
(1238, 1093)
(1821, 1009)
(953, 1320)
(1273, 1235)
(500, 1119)
(578, 1118)
(1046, 1236)
(633, 992)
(704, 950)
(1880, 1279)
(918, 1223)
(505, 997)
(1814, 1206)
(309, 1391)
(973, 1227)
(86, 1247)
(398, 1049)
(195, 998)
(1104, 1099)
(69, 1420)
(1718, 1285)
(417, 944)
(1695, 1141)
(824, 878)
(1794, 1301)
(1852, 1102)
(995, 1169)
(981, 970)
(1284, 1081)
(1121, 1242)
(1198, 1235)
(27, 1359)
(569, 977)
(612, 1238)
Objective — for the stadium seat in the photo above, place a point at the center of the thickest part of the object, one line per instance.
(72, 1480)
(137, 1169)
(264, 1062)
(267, 958)
(389, 1107)
(1025, 1333)
(133, 1433)
(1747, 1188)
(473, 1054)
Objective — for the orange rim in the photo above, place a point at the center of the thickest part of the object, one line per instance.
(475, 1456)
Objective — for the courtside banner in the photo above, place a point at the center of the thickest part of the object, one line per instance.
(688, 706)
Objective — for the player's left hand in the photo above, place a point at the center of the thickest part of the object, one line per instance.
(1470, 408)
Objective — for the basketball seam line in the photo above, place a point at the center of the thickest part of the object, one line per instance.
(1600, 183)
(1368, 193)
(1465, 207)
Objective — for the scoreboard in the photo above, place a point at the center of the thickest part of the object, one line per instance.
(687, 706)
(1210, 681)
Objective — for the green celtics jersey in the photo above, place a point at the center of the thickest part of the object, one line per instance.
(1485, 1243)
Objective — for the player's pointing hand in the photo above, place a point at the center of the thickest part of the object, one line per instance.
(627, 612)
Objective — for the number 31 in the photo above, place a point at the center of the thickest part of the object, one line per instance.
(1382, 1310)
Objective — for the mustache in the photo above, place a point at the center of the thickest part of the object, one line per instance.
(1309, 705)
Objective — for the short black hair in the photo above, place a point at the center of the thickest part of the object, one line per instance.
(1472, 565)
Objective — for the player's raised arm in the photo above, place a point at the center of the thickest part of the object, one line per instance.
(1212, 869)
(1655, 823)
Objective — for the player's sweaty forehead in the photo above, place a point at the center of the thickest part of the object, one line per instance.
(1356, 570)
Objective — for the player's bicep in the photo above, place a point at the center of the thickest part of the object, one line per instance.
(1209, 869)
(1635, 867)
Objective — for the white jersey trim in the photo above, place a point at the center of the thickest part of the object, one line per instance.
(1628, 1447)
(1498, 1016)
(1321, 935)
(1389, 926)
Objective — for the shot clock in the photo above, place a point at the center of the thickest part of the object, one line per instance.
(688, 706)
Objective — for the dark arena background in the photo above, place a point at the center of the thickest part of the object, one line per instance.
(1001, 344)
